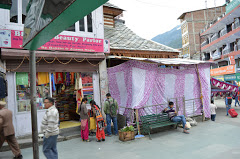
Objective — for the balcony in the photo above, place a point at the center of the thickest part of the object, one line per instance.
(214, 37)
(226, 51)
(223, 32)
(204, 43)
(216, 55)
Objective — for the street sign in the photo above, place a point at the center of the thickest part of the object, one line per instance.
(46, 19)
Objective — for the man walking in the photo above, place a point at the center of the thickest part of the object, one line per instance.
(110, 109)
(7, 131)
(50, 129)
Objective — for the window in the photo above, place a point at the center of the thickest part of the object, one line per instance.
(14, 12)
(89, 22)
(24, 10)
(81, 25)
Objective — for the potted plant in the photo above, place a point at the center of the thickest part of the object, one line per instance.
(126, 133)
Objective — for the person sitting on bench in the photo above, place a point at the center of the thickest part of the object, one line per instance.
(172, 114)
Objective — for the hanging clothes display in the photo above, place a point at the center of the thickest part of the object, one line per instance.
(59, 78)
(53, 82)
(43, 78)
(3, 87)
(21, 78)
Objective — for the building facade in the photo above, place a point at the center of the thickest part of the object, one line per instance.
(60, 62)
(222, 44)
(191, 25)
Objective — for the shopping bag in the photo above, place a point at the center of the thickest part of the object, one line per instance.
(92, 123)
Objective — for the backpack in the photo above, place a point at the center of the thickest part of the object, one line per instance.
(229, 100)
(113, 108)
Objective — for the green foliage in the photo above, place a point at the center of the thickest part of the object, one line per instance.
(127, 128)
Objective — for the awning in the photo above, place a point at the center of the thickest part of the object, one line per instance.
(163, 61)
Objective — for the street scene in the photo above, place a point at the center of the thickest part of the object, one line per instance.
(117, 79)
(208, 139)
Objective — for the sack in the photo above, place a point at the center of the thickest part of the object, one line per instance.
(188, 125)
(92, 123)
(113, 108)
(229, 100)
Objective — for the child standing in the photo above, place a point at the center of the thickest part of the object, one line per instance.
(213, 108)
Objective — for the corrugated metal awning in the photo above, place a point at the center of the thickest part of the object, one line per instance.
(163, 61)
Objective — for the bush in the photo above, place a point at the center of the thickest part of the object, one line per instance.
(127, 128)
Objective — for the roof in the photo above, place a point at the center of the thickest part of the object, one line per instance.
(181, 16)
(121, 37)
(111, 5)
(164, 61)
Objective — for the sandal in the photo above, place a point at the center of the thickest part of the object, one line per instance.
(185, 131)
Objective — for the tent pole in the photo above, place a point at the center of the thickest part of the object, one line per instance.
(201, 96)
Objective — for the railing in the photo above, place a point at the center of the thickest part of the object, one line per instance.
(182, 106)
(215, 37)
(223, 32)
(204, 43)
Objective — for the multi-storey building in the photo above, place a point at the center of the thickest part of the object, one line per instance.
(222, 43)
(79, 50)
(191, 24)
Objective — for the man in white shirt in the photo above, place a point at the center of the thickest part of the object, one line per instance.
(50, 129)
(213, 108)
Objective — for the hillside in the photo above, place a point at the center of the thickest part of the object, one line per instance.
(172, 38)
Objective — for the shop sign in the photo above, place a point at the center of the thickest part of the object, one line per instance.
(14, 39)
(232, 60)
(216, 55)
(220, 78)
(223, 70)
(233, 4)
(237, 76)
(230, 77)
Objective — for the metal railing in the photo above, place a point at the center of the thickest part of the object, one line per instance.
(182, 106)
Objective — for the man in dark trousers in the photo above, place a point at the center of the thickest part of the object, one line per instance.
(110, 109)
(7, 131)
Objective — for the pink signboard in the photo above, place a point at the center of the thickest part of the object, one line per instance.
(14, 39)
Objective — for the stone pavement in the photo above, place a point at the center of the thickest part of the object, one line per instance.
(207, 140)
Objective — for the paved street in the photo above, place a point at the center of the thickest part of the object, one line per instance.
(207, 140)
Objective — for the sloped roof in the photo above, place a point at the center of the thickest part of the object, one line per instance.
(111, 5)
(121, 37)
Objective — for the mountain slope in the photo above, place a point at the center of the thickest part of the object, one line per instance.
(172, 38)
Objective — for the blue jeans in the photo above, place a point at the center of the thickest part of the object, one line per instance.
(213, 116)
(236, 102)
(180, 118)
(228, 107)
(114, 120)
(50, 147)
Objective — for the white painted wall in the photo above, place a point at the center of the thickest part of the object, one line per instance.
(96, 89)
(98, 24)
(21, 120)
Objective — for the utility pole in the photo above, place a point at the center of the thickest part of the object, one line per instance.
(32, 65)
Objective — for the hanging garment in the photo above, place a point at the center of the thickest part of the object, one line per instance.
(3, 87)
(72, 77)
(68, 79)
(43, 78)
(21, 78)
(59, 78)
(53, 82)
(77, 81)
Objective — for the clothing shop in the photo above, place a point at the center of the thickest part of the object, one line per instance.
(66, 76)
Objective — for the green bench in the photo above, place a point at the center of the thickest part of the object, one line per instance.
(150, 122)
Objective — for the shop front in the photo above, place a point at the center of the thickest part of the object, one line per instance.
(67, 84)
(66, 71)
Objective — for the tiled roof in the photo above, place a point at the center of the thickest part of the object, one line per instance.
(121, 37)
(111, 5)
